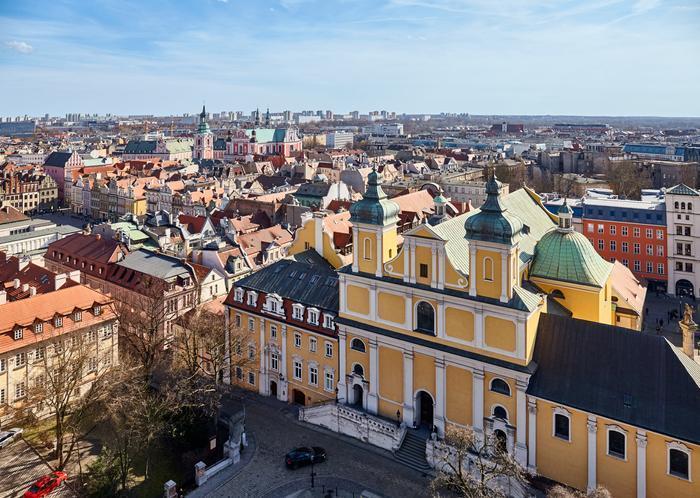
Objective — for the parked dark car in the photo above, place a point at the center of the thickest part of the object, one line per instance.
(299, 457)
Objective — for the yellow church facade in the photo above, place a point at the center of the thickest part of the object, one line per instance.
(487, 320)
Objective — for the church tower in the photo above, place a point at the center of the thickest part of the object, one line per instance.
(494, 236)
(374, 234)
(204, 139)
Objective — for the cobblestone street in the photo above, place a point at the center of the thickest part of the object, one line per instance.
(351, 466)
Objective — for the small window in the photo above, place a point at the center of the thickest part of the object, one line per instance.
(97, 310)
(312, 344)
(500, 412)
(358, 345)
(18, 334)
(367, 248)
(500, 386)
(78, 316)
(328, 321)
(357, 369)
(297, 339)
(617, 443)
(488, 269)
(297, 369)
(329, 350)
(58, 322)
(239, 373)
(562, 426)
(273, 331)
(38, 328)
(251, 324)
(423, 269)
(679, 463)
(251, 378)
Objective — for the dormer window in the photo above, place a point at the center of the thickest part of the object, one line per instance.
(38, 328)
(238, 294)
(97, 310)
(298, 311)
(252, 298)
(18, 334)
(328, 321)
(273, 304)
(58, 322)
(313, 316)
(77, 316)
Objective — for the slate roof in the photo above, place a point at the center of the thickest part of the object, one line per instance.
(682, 189)
(305, 278)
(154, 264)
(634, 378)
(140, 147)
(58, 159)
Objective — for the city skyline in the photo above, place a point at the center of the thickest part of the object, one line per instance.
(605, 58)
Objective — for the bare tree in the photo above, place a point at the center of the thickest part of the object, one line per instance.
(67, 377)
(627, 178)
(142, 325)
(476, 467)
(560, 491)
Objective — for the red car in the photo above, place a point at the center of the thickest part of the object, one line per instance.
(46, 484)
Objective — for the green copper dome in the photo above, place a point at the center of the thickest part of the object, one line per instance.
(565, 255)
(493, 222)
(375, 208)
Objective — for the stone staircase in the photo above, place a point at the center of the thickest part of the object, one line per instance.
(412, 451)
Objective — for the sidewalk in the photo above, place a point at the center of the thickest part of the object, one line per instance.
(228, 473)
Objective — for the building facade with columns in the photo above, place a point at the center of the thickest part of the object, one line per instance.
(502, 319)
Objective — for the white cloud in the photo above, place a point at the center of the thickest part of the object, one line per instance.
(20, 46)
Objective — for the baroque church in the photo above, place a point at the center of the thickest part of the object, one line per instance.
(502, 319)
(243, 144)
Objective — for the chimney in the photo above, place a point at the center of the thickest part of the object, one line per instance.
(318, 231)
(3, 297)
(15, 283)
(32, 291)
(59, 280)
(25, 287)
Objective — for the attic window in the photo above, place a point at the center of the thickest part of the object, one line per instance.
(238, 295)
(58, 322)
(18, 334)
(557, 293)
(97, 310)
(525, 230)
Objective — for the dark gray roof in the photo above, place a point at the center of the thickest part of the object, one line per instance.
(305, 278)
(319, 189)
(617, 373)
(141, 147)
(155, 264)
(58, 159)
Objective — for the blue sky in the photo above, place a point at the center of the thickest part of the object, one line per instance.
(595, 57)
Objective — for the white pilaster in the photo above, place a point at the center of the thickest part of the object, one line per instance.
(406, 262)
(439, 421)
(373, 301)
(262, 381)
(433, 272)
(380, 255)
(282, 393)
(412, 248)
(441, 319)
(592, 426)
(641, 464)
(342, 358)
(441, 268)
(478, 402)
(408, 305)
(408, 388)
(341, 295)
(504, 277)
(532, 435)
(520, 337)
(478, 328)
(356, 249)
(472, 270)
(521, 427)
(372, 397)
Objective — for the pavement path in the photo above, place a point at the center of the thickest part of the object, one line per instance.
(20, 467)
(351, 465)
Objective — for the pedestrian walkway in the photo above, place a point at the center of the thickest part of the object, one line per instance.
(228, 473)
(324, 487)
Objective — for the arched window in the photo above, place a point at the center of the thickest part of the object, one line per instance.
(500, 386)
(358, 345)
(557, 293)
(562, 425)
(500, 412)
(690, 206)
(488, 269)
(682, 205)
(367, 248)
(425, 318)
(617, 443)
(357, 369)
(678, 461)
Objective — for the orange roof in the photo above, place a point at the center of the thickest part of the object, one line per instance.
(43, 307)
(415, 202)
(8, 214)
